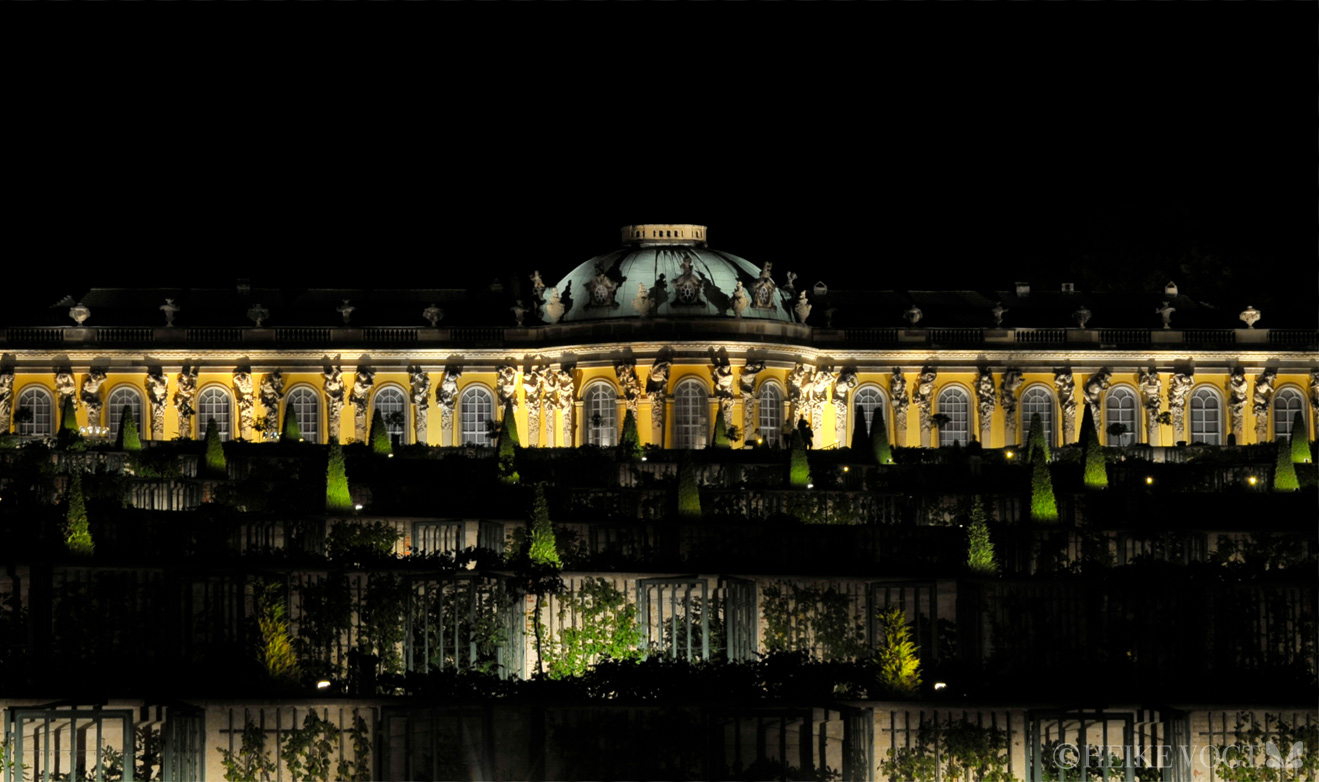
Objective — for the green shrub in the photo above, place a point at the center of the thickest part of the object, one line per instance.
(1043, 504)
(291, 433)
(979, 547)
(357, 541)
(1036, 444)
(898, 656)
(629, 443)
(216, 465)
(720, 436)
(543, 548)
(1096, 471)
(77, 531)
(68, 418)
(508, 442)
(379, 435)
(1300, 442)
(129, 439)
(879, 438)
(799, 469)
(689, 493)
(1284, 473)
(338, 499)
(276, 646)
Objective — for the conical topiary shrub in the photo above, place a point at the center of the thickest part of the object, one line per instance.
(216, 465)
(338, 499)
(1036, 444)
(77, 530)
(68, 418)
(508, 440)
(543, 547)
(629, 443)
(291, 433)
(1043, 504)
(979, 547)
(1284, 471)
(860, 438)
(1300, 441)
(720, 437)
(879, 443)
(799, 468)
(1096, 471)
(129, 439)
(379, 435)
(689, 492)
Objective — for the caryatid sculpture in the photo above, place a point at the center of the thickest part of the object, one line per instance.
(332, 380)
(799, 391)
(1151, 390)
(158, 394)
(1314, 388)
(420, 387)
(506, 387)
(898, 390)
(746, 383)
(1262, 399)
(1065, 384)
(923, 395)
(986, 396)
(1095, 387)
(626, 372)
(657, 388)
(721, 376)
(91, 395)
(1237, 395)
(564, 393)
(6, 399)
(843, 385)
(272, 390)
(1179, 389)
(822, 384)
(533, 386)
(446, 397)
(65, 388)
(185, 388)
(1007, 395)
(360, 398)
(243, 395)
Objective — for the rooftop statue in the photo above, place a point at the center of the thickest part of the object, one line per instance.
(913, 314)
(257, 314)
(537, 284)
(763, 289)
(433, 315)
(552, 310)
(687, 287)
(80, 313)
(346, 310)
(739, 300)
(803, 308)
(170, 309)
(998, 311)
(519, 312)
(642, 302)
(1081, 316)
(1166, 311)
(601, 289)
(1251, 316)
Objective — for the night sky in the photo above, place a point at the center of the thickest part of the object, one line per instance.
(872, 146)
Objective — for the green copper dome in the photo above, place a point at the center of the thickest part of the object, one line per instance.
(668, 272)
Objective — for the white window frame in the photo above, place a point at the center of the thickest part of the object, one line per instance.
(770, 414)
(1122, 406)
(1038, 399)
(959, 428)
(397, 402)
(305, 404)
(601, 399)
(223, 421)
(691, 415)
(476, 407)
(113, 410)
(1282, 417)
(1200, 420)
(41, 402)
(868, 407)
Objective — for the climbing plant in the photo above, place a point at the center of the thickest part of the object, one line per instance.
(1269, 751)
(597, 622)
(251, 763)
(815, 617)
(960, 750)
(306, 751)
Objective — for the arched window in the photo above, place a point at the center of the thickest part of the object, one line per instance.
(1120, 408)
(1037, 401)
(770, 414)
(869, 399)
(213, 402)
(478, 410)
(306, 409)
(1206, 418)
(120, 397)
(601, 415)
(40, 407)
(393, 407)
(691, 419)
(1286, 404)
(953, 403)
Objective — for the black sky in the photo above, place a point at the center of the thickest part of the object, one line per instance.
(884, 146)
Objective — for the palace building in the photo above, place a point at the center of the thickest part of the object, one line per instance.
(837, 550)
